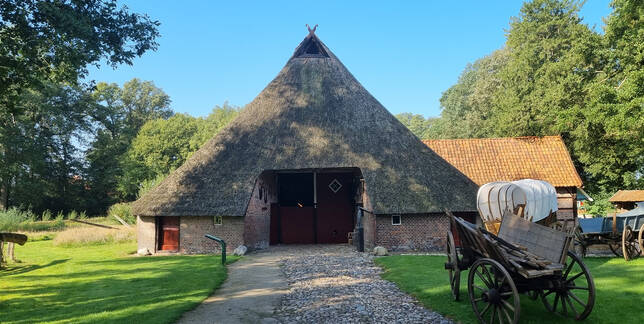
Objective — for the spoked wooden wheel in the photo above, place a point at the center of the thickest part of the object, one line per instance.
(579, 247)
(452, 266)
(630, 246)
(492, 292)
(573, 294)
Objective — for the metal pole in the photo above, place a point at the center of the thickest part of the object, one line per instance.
(223, 247)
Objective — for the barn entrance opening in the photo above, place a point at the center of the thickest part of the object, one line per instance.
(316, 206)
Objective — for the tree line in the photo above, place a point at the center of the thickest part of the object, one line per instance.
(557, 76)
(71, 144)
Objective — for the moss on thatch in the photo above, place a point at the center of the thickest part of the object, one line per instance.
(314, 114)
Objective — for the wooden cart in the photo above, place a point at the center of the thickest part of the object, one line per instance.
(622, 233)
(525, 258)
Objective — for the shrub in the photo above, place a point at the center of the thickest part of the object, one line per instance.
(82, 236)
(72, 215)
(60, 216)
(46, 215)
(122, 210)
(15, 219)
(82, 215)
(11, 218)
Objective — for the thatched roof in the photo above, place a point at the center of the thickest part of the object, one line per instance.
(314, 114)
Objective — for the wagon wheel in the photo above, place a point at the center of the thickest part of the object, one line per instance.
(640, 239)
(492, 292)
(572, 294)
(616, 249)
(630, 247)
(452, 266)
(579, 246)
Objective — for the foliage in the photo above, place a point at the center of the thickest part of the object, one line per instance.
(46, 215)
(469, 103)
(618, 285)
(600, 206)
(163, 145)
(45, 109)
(147, 185)
(554, 76)
(123, 211)
(51, 281)
(85, 236)
(417, 124)
(55, 41)
(14, 219)
(124, 111)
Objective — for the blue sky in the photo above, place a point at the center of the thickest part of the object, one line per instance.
(406, 53)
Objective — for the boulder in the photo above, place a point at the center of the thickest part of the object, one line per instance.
(379, 251)
(240, 250)
(143, 251)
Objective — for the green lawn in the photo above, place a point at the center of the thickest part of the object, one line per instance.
(103, 284)
(619, 285)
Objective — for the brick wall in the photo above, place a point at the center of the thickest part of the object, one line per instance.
(257, 221)
(146, 233)
(417, 232)
(193, 229)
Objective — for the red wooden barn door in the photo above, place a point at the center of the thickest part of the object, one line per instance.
(169, 233)
(334, 217)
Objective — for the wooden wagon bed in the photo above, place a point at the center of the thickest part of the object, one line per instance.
(524, 257)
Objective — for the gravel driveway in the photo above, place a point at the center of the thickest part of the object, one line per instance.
(335, 284)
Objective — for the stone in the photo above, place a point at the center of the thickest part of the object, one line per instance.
(240, 250)
(143, 251)
(379, 251)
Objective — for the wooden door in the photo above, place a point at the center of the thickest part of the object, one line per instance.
(169, 233)
(334, 217)
(296, 225)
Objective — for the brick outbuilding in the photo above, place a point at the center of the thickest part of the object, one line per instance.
(545, 158)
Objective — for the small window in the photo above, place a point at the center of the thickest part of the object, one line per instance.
(219, 220)
(395, 219)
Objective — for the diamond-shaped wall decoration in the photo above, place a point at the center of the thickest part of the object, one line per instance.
(335, 185)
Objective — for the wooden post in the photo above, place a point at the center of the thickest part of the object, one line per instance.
(10, 254)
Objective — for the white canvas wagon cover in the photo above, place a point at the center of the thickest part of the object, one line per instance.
(539, 199)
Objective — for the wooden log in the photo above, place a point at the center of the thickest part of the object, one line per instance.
(93, 224)
(122, 221)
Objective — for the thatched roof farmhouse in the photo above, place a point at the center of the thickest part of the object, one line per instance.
(295, 164)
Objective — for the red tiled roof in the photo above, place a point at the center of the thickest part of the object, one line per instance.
(486, 160)
(627, 196)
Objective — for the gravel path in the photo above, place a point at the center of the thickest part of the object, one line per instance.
(335, 284)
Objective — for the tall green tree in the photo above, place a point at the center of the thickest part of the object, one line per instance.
(48, 44)
(468, 105)
(123, 111)
(55, 40)
(163, 145)
(45, 165)
(552, 58)
(609, 139)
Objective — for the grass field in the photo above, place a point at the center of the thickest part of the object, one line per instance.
(619, 285)
(103, 284)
